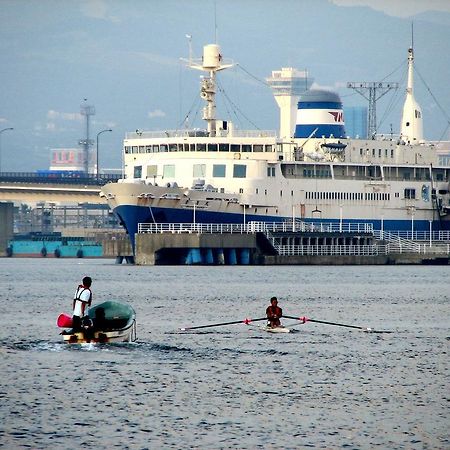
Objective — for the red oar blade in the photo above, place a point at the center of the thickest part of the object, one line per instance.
(64, 321)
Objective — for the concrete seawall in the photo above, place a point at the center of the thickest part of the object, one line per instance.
(148, 245)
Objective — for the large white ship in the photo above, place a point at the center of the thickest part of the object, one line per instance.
(311, 171)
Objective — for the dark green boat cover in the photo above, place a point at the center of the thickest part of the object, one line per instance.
(112, 315)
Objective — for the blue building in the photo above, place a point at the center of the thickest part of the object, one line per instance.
(356, 121)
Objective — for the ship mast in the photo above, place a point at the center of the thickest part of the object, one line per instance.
(412, 125)
(211, 62)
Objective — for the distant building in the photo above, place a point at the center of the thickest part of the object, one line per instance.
(355, 118)
(67, 159)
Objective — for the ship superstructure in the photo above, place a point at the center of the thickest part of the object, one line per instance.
(225, 175)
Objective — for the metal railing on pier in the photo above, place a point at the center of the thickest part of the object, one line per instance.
(255, 227)
(385, 242)
(360, 250)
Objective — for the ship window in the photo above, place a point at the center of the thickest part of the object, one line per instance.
(219, 170)
(224, 147)
(186, 147)
(269, 148)
(281, 193)
(137, 172)
(265, 191)
(192, 147)
(386, 152)
(134, 149)
(246, 148)
(271, 171)
(127, 149)
(172, 147)
(392, 153)
(201, 147)
(148, 149)
(241, 190)
(256, 191)
(360, 151)
(407, 124)
(235, 148)
(373, 152)
(156, 149)
(180, 147)
(141, 149)
(152, 171)
(258, 148)
(410, 193)
(169, 171)
(163, 148)
(239, 171)
(379, 153)
(199, 170)
(292, 193)
(212, 147)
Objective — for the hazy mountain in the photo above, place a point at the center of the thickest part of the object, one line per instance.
(123, 56)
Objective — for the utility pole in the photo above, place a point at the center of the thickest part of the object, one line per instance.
(372, 91)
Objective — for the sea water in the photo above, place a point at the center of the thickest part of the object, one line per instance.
(231, 387)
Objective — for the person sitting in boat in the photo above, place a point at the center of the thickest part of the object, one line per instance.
(83, 298)
(99, 321)
(274, 312)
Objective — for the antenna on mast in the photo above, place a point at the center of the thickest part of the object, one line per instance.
(215, 22)
(189, 38)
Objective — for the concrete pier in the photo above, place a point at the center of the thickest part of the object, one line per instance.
(278, 246)
(152, 248)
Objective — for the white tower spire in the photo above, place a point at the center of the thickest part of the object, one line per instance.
(412, 124)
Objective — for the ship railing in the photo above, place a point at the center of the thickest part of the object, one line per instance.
(199, 134)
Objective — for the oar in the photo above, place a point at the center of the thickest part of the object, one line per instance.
(246, 321)
(307, 319)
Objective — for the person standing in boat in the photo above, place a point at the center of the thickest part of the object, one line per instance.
(274, 313)
(83, 298)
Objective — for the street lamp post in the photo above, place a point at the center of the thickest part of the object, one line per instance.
(96, 165)
(1, 131)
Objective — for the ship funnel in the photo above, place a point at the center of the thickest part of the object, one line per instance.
(322, 110)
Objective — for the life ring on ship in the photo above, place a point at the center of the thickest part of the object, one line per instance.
(9, 251)
(57, 253)
(43, 252)
(80, 253)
